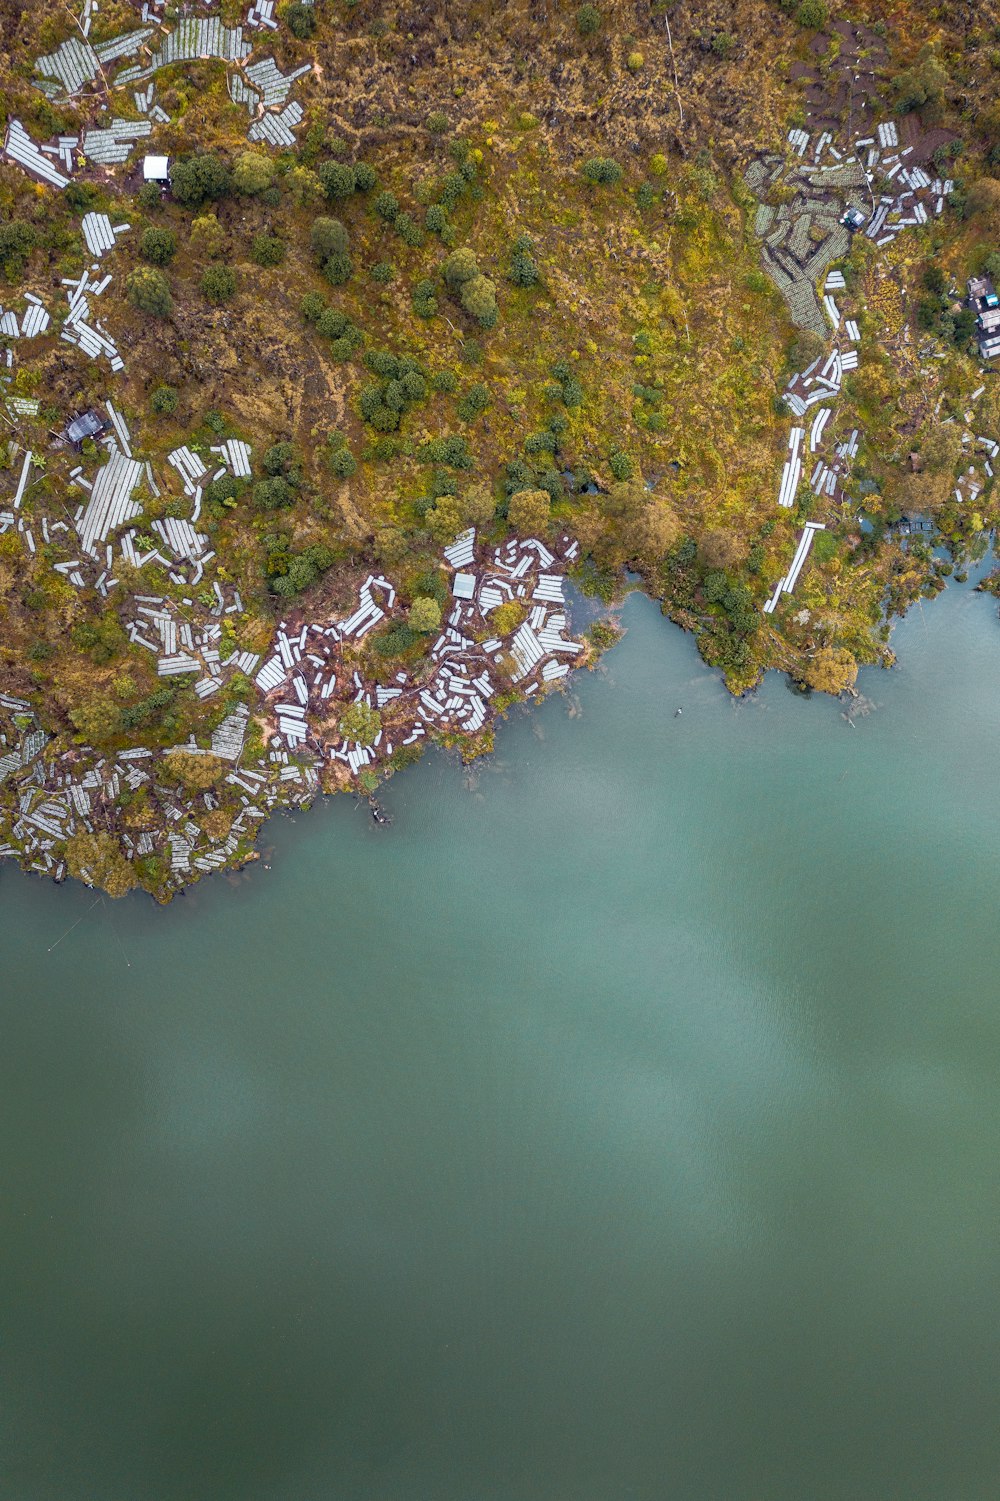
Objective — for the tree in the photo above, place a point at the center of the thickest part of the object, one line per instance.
(304, 186)
(475, 400)
(523, 266)
(528, 512)
(445, 520)
(193, 771)
(338, 269)
(479, 298)
(252, 173)
(157, 245)
(195, 179)
(149, 291)
(328, 237)
(478, 505)
(218, 283)
(207, 235)
(603, 170)
(360, 723)
(588, 19)
(424, 615)
(100, 860)
(831, 669)
(459, 267)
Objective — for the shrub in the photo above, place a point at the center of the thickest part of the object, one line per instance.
(267, 250)
(252, 173)
(523, 270)
(588, 19)
(620, 464)
(813, 14)
(156, 245)
(149, 196)
(635, 62)
(218, 283)
(338, 269)
(383, 271)
(603, 170)
(658, 164)
(424, 301)
(17, 240)
(437, 122)
(723, 44)
(475, 400)
(342, 462)
(273, 494)
(424, 615)
(196, 179)
(386, 205)
(163, 400)
(312, 307)
(436, 219)
(364, 177)
(300, 19)
(337, 179)
(445, 381)
(408, 229)
(645, 197)
(149, 291)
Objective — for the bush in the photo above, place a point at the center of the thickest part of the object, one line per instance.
(658, 164)
(149, 291)
(342, 462)
(156, 245)
(218, 283)
(437, 122)
(364, 177)
(386, 205)
(475, 401)
(163, 400)
(300, 20)
(253, 172)
(149, 196)
(603, 170)
(408, 229)
(723, 44)
(267, 250)
(337, 179)
(436, 219)
(620, 464)
(424, 301)
(383, 272)
(523, 270)
(445, 381)
(635, 62)
(195, 179)
(273, 494)
(645, 197)
(812, 14)
(588, 20)
(338, 269)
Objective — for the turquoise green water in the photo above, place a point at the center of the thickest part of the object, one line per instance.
(626, 1125)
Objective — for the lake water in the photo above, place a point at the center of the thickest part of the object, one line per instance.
(625, 1125)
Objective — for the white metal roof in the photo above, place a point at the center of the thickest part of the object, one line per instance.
(155, 168)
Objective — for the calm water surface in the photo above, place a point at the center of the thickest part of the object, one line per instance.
(626, 1125)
